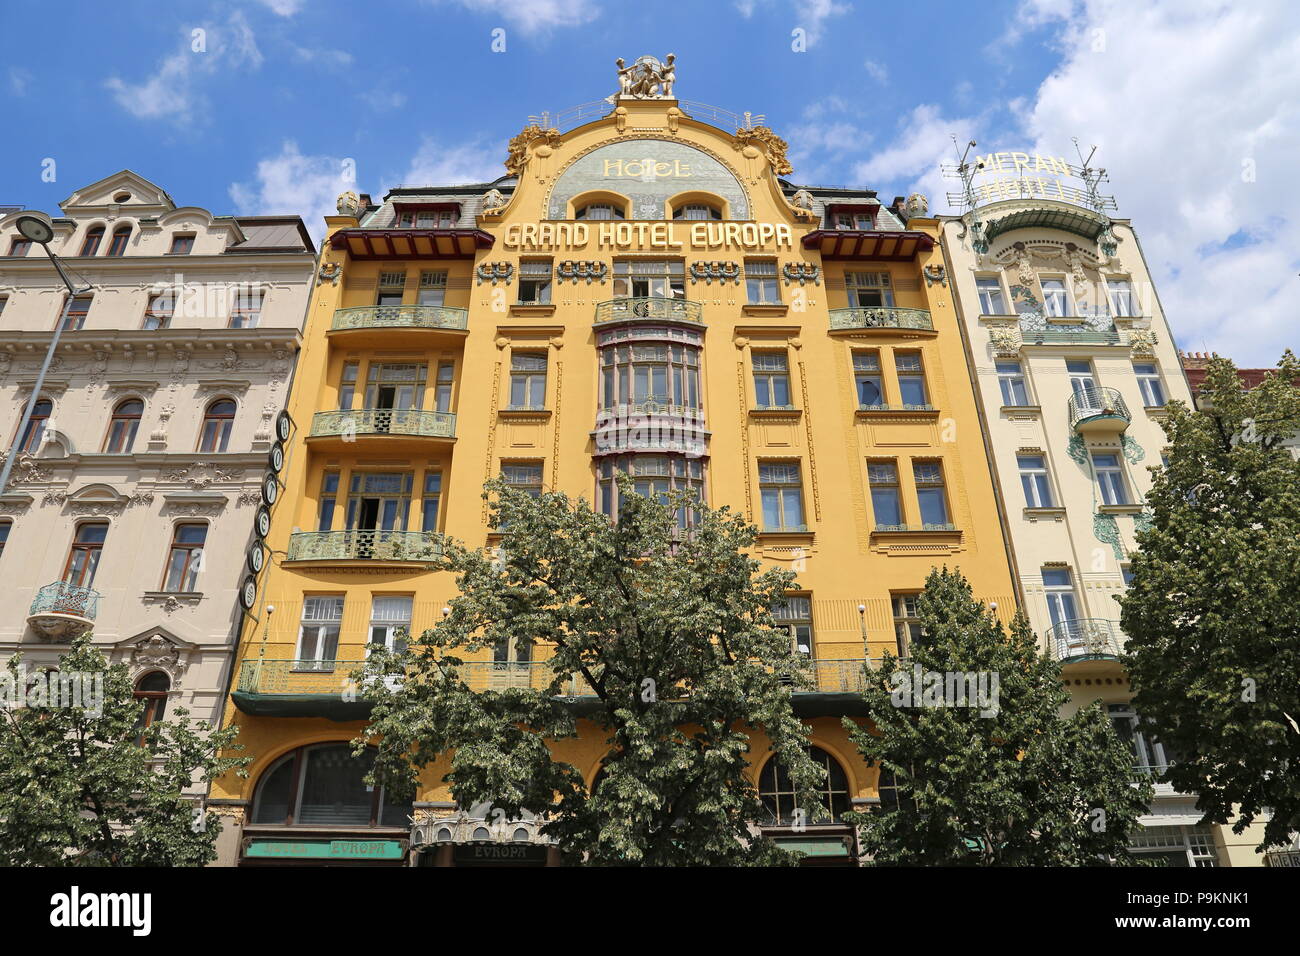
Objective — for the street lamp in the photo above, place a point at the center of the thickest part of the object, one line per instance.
(38, 231)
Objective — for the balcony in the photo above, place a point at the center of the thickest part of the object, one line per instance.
(1095, 410)
(881, 317)
(397, 326)
(346, 427)
(324, 688)
(1069, 336)
(400, 317)
(370, 545)
(649, 307)
(1085, 639)
(63, 611)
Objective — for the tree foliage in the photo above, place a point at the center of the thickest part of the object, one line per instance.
(1005, 780)
(1213, 634)
(670, 638)
(86, 786)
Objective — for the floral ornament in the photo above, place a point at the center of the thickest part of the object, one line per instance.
(494, 272)
(802, 272)
(706, 272)
(1106, 529)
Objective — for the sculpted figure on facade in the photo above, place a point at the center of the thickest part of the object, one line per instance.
(647, 78)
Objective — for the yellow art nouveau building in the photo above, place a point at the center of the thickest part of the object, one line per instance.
(644, 291)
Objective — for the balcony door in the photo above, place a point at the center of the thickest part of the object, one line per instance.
(391, 390)
(1082, 381)
(379, 503)
(1061, 605)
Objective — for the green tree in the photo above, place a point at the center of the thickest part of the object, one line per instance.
(1213, 634)
(83, 785)
(1003, 780)
(669, 639)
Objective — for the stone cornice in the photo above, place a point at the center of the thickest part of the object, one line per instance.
(156, 340)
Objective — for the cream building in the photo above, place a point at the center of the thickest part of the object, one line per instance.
(1074, 362)
(132, 497)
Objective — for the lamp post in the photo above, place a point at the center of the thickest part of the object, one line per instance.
(38, 231)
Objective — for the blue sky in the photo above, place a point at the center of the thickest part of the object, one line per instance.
(1192, 103)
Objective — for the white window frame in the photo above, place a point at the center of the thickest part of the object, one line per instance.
(320, 624)
(1150, 384)
(986, 295)
(1115, 484)
(1068, 306)
(1036, 481)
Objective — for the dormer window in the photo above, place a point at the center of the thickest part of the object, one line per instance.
(182, 245)
(858, 221)
(697, 211)
(599, 211)
(427, 219)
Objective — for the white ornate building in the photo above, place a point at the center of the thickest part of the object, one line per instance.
(130, 506)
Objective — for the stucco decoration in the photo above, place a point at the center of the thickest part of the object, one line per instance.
(157, 652)
(1106, 530)
(646, 78)
(802, 200)
(1077, 451)
(802, 272)
(935, 274)
(575, 271)
(1005, 339)
(530, 138)
(494, 272)
(329, 272)
(27, 471)
(649, 171)
(1132, 450)
(723, 272)
(348, 204)
(1142, 342)
(917, 206)
(767, 142)
(492, 202)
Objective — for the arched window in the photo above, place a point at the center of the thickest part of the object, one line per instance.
(777, 791)
(217, 422)
(120, 237)
(698, 211)
(152, 689)
(599, 210)
(324, 785)
(35, 431)
(90, 245)
(123, 426)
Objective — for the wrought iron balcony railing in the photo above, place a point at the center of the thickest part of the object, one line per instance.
(1084, 638)
(1070, 337)
(364, 545)
(330, 678)
(383, 421)
(64, 598)
(881, 317)
(400, 317)
(1096, 403)
(649, 307)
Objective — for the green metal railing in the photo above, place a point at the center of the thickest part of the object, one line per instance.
(328, 678)
(1068, 337)
(384, 421)
(364, 545)
(1084, 638)
(1097, 402)
(649, 307)
(400, 317)
(881, 317)
(64, 598)
(917, 527)
(882, 407)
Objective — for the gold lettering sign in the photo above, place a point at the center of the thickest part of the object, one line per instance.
(646, 169)
(655, 236)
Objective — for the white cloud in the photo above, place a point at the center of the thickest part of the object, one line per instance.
(381, 101)
(290, 183)
(1179, 99)
(876, 71)
(914, 154)
(19, 80)
(170, 93)
(325, 57)
(284, 8)
(535, 16)
(437, 164)
(810, 15)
